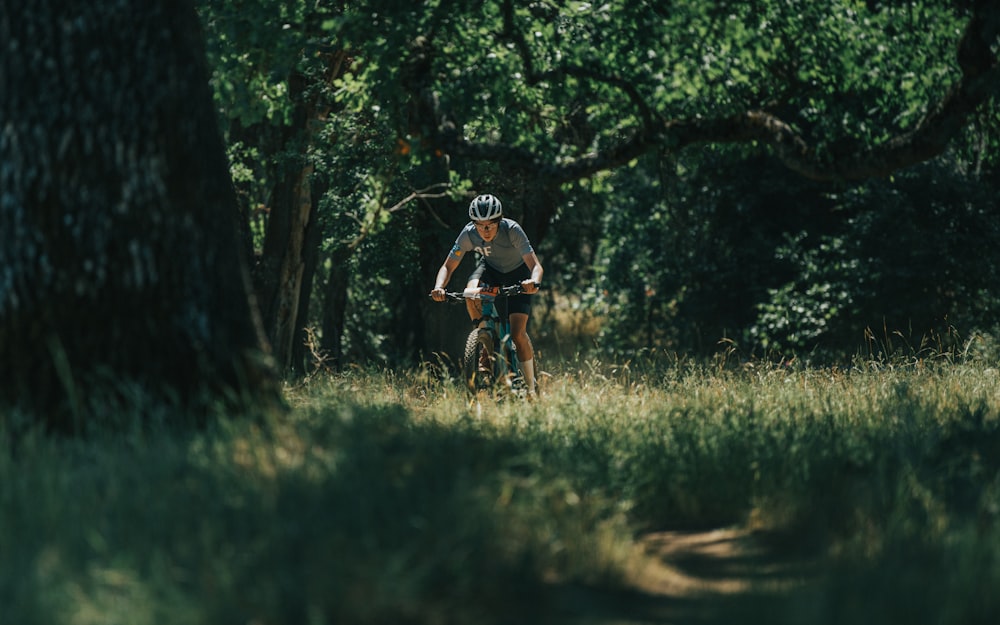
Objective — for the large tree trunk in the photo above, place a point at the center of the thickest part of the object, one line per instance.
(120, 261)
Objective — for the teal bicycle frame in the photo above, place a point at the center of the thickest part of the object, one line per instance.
(490, 356)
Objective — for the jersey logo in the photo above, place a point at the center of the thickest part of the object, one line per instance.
(485, 251)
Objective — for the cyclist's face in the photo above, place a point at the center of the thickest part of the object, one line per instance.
(488, 229)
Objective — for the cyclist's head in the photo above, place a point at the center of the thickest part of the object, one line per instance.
(484, 208)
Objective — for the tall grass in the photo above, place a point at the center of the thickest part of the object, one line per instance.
(387, 497)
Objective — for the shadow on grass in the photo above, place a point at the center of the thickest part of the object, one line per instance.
(364, 514)
(701, 577)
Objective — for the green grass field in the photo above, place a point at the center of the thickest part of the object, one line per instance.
(389, 498)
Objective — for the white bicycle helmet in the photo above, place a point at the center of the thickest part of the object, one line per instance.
(484, 208)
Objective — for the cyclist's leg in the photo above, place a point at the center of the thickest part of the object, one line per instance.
(519, 333)
(525, 351)
(475, 306)
(520, 312)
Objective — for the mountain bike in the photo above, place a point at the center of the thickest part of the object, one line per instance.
(489, 362)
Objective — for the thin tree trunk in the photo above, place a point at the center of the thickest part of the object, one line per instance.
(301, 357)
(279, 277)
(284, 304)
(335, 309)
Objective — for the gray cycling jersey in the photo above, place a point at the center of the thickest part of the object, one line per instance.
(504, 253)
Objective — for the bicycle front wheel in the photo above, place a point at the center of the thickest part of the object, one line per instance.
(479, 361)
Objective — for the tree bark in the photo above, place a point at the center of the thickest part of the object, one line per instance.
(334, 316)
(286, 257)
(120, 261)
(282, 263)
(303, 357)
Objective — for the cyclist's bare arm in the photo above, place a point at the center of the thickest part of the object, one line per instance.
(531, 284)
(443, 276)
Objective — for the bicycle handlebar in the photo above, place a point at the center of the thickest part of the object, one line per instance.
(514, 289)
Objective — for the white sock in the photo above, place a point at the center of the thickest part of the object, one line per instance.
(528, 367)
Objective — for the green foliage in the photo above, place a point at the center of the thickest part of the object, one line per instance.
(912, 258)
(677, 250)
(784, 267)
(687, 254)
(254, 47)
(798, 315)
(881, 83)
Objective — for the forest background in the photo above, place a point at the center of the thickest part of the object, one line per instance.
(786, 179)
(791, 181)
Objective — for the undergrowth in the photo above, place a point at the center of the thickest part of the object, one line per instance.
(389, 497)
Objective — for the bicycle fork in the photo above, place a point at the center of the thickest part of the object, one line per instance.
(505, 361)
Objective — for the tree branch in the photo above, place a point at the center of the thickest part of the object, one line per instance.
(979, 83)
(533, 77)
(367, 226)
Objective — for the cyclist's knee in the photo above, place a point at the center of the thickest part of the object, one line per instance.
(521, 339)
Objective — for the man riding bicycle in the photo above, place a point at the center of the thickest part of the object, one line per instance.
(505, 258)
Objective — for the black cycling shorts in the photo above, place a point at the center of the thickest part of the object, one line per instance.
(489, 276)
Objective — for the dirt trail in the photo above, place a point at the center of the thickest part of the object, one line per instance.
(705, 577)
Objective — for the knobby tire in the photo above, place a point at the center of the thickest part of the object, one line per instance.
(479, 345)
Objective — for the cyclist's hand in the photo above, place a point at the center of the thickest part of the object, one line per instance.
(529, 287)
(437, 295)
